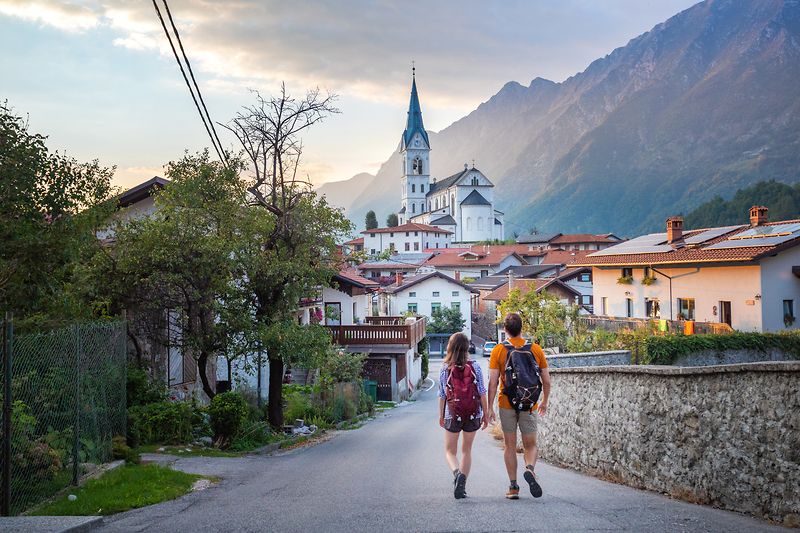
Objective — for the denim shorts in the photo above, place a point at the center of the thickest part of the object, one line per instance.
(454, 426)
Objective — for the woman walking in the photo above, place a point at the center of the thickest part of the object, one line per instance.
(462, 408)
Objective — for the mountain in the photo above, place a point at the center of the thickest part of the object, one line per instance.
(341, 193)
(701, 105)
(783, 202)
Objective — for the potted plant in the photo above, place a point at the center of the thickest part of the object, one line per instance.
(625, 280)
(648, 280)
(788, 320)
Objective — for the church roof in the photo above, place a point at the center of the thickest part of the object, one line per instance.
(445, 183)
(475, 198)
(446, 220)
(414, 122)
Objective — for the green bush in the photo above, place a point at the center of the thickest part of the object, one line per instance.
(298, 405)
(343, 409)
(160, 423)
(121, 450)
(228, 413)
(250, 436)
(141, 390)
(665, 350)
(365, 403)
(341, 366)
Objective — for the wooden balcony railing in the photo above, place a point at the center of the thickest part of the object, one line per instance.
(380, 334)
(385, 320)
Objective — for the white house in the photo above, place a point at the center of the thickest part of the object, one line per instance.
(424, 293)
(348, 300)
(405, 238)
(744, 275)
(461, 203)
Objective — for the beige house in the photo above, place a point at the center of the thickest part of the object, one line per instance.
(745, 275)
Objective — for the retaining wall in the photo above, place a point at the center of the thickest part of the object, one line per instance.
(727, 436)
(569, 360)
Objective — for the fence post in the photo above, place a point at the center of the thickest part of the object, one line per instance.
(8, 336)
(77, 425)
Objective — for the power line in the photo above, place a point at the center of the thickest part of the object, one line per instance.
(186, 79)
(194, 81)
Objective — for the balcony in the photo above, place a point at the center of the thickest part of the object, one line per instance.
(380, 330)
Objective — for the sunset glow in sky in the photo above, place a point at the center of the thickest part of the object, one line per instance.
(98, 76)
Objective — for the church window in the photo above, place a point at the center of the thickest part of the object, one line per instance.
(480, 223)
(422, 187)
(469, 223)
(452, 210)
(413, 208)
(413, 188)
(474, 180)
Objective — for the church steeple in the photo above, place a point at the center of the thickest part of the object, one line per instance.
(414, 121)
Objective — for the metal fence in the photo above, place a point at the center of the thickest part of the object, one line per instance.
(63, 400)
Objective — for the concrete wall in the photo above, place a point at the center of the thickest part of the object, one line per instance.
(707, 285)
(727, 436)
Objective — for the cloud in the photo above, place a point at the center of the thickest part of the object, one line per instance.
(64, 16)
(464, 50)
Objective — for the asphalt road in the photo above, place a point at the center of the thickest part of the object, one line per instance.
(390, 475)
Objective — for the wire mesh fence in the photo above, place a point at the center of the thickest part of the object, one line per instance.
(64, 402)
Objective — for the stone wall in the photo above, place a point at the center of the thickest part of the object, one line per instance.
(569, 360)
(727, 357)
(727, 436)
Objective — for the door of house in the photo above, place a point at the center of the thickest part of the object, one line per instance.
(380, 370)
(725, 313)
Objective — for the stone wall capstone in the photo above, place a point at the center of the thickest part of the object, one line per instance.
(727, 436)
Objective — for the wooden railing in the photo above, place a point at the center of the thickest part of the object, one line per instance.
(379, 334)
(673, 326)
(385, 320)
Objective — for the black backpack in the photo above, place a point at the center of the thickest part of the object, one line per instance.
(523, 381)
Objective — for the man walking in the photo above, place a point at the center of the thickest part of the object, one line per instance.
(511, 418)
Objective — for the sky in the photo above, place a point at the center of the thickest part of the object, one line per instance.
(99, 79)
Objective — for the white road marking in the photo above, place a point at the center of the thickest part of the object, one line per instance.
(433, 384)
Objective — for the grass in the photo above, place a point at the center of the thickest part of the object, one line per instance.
(380, 406)
(122, 489)
(181, 451)
(28, 492)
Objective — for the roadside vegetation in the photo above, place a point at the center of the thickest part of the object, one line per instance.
(121, 489)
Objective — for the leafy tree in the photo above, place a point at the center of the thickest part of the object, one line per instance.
(294, 248)
(544, 318)
(49, 206)
(783, 201)
(391, 221)
(371, 221)
(187, 257)
(446, 320)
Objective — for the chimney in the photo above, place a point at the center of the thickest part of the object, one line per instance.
(398, 278)
(458, 275)
(674, 229)
(759, 215)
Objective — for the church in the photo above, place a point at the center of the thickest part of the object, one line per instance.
(462, 203)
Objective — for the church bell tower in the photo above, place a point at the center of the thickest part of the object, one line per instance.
(415, 148)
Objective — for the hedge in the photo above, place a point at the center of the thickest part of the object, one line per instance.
(665, 350)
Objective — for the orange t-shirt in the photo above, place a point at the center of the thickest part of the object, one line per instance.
(497, 361)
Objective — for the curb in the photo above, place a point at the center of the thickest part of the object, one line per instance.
(50, 524)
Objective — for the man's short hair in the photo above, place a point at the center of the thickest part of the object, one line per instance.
(513, 324)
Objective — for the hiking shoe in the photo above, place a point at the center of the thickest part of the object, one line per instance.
(512, 493)
(536, 489)
(460, 483)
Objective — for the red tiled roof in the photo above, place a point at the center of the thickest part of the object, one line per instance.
(456, 257)
(409, 282)
(525, 286)
(694, 254)
(582, 237)
(520, 249)
(565, 257)
(356, 279)
(411, 226)
(353, 242)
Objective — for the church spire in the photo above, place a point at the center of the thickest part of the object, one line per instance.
(414, 122)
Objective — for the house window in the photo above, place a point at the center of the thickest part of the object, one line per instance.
(435, 294)
(412, 308)
(686, 308)
(604, 305)
(788, 312)
(391, 246)
(435, 306)
(408, 246)
(412, 294)
(484, 273)
(391, 234)
(455, 293)
(628, 307)
(416, 246)
(586, 299)
(416, 234)
(652, 308)
(406, 234)
(647, 272)
(371, 234)
(456, 306)
(627, 272)
(585, 277)
(373, 251)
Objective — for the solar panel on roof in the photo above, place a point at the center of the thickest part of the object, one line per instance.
(768, 231)
(631, 250)
(709, 234)
(753, 242)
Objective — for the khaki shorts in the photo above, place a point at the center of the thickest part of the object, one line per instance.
(510, 419)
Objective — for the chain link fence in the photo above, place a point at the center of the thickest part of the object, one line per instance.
(63, 400)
